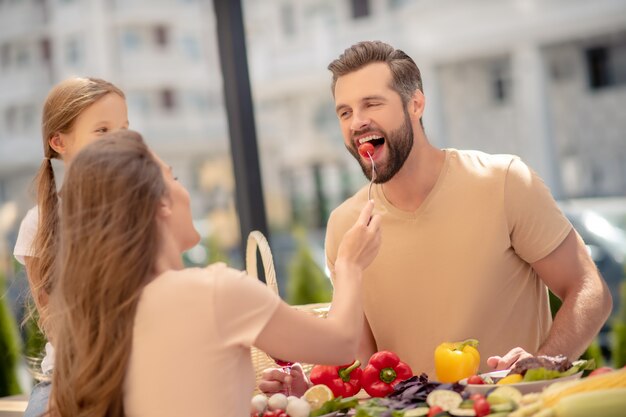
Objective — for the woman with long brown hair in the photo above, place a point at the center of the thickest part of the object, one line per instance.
(76, 112)
(139, 335)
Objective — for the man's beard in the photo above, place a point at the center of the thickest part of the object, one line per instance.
(399, 144)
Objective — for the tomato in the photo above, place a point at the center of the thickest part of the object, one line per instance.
(366, 148)
(600, 371)
(481, 407)
(270, 414)
(477, 396)
(434, 410)
(475, 380)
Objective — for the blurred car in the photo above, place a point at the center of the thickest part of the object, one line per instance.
(606, 242)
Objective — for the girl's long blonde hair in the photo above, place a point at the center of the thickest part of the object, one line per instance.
(65, 102)
(108, 246)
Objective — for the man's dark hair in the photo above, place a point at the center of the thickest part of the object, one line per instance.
(406, 77)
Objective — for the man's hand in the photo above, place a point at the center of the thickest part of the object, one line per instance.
(275, 380)
(508, 360)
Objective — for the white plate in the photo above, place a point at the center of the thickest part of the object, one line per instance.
(523, 387)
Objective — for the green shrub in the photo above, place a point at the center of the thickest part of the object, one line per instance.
(618, 331)
(9, 347)
(35, 341)
(307, 281)
(594, 351)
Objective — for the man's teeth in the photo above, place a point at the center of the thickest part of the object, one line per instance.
(367, 139)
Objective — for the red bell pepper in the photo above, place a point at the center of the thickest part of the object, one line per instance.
(344, 381)
(383, 372)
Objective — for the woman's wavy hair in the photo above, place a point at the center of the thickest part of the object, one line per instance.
(64, 104)
(108, 246)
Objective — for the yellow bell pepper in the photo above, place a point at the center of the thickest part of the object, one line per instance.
(455, 361)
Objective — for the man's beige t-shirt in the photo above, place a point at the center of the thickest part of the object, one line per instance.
(191, 344)
(458, 267)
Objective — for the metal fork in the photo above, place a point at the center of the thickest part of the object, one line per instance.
(369, 190)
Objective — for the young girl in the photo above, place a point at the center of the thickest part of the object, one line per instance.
(139, 335)
(76, 112)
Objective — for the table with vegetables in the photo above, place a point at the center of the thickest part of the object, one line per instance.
(539, 386)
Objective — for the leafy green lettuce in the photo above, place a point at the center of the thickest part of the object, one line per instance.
(336, 404)
(543, 374)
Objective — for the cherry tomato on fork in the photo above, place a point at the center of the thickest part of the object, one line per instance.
(365, 149)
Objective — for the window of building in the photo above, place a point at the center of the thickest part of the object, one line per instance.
(199, 100)
(130, 40)
(191, 47)
(167, 99)
(321, 15)
(606, 65)
(139, 101)
(598, 67)
(22, 55)
(73, 51)
(5, 55)
(43, 10)
(561, 63)
(10, 114)
(161, 36)
(46, 50)
(360, 8)
(29, 119)
(3, 191)
(287, 19)
(396, 4)
(501, 82)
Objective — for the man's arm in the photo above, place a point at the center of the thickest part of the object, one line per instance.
(572, 276)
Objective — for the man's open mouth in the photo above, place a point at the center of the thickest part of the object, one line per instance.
(375, 140)
(368, 145)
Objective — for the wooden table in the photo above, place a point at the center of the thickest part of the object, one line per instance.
(13, 406)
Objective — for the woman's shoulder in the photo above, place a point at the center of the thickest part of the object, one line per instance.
(190, 288)
(175, 290)
(196, 279)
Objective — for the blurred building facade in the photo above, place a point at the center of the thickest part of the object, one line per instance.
(545, 80)
(163, 55)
